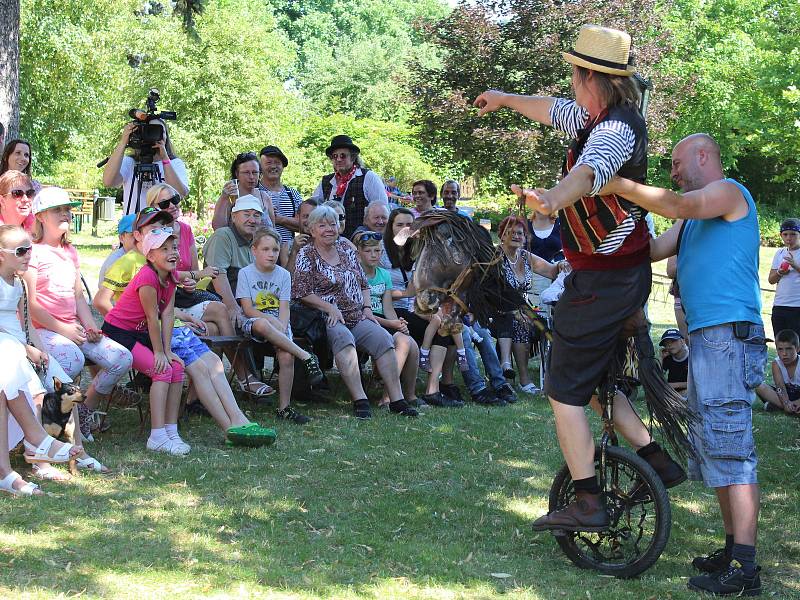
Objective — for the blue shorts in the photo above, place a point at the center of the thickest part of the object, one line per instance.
(187, 345)
(723, 374)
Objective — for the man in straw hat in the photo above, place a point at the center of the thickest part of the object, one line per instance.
(723, 312)
(606, 241)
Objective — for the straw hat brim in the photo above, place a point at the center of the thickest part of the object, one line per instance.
(593, 66)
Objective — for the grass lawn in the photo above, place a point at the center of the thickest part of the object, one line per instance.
(437, 507)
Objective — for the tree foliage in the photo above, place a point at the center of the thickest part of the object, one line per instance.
(516, 46)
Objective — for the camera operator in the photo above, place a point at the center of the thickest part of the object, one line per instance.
(119, 169)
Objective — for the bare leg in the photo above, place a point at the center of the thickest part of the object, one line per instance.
(286, 378)
(767, 394)
(407, 353)
(206, 393)
(347, 363)
(387, 367)
(448, 364)
(216, 372)
(5, 463)
(278, 339)
(575, 439)
(505, 350)
(521, 358)
(32, 426)
(437, 360)
(626, 421)
(739, 505)
(158, 404)
(173, 407)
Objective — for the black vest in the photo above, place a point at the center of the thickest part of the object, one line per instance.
(354, 200)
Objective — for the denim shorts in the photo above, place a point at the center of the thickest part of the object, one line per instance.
(187, 346)
(723, 374)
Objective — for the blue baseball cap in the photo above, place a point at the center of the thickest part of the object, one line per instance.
(126, 224)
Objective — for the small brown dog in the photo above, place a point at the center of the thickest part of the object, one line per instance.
(57, 408)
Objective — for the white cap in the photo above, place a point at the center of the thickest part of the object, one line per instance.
(51, 197)
(248, 202)
(155, 239)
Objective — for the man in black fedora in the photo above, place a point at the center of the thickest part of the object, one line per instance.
(351, 183)
(286, 200)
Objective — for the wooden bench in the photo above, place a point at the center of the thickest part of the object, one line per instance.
(87, 198)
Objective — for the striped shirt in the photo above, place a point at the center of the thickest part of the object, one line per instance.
(609, 146)
(286, 203)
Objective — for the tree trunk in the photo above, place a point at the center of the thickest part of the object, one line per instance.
(9, 67)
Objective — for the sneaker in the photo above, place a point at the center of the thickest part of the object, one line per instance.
(290, 414)
(586, 513)
(506, 393)
(361, 409)
(175, 447)
(417, 403)
(439, 399)
(486, 397)
(401, 407)
(508, 372)
(713, 563)
(451, 391)
(311, 366)
(529, 388)
(728, 582)
(425, 362)
(463, 365)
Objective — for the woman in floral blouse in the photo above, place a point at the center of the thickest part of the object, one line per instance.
(329, 277)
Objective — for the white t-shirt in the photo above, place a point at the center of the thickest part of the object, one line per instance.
(265, 290)
(787, 290)
(126, 171)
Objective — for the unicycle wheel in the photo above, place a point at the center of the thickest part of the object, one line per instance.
(639, 511)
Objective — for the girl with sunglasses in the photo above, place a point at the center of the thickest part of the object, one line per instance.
(245, 179)
(58, 307)
(25, 360)
(16, 195)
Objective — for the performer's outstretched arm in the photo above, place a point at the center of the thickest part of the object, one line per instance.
(536, 108)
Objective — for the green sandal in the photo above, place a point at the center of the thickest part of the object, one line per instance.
(252, 435)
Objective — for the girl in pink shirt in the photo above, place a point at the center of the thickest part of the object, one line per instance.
(136, 321)
(59, 310)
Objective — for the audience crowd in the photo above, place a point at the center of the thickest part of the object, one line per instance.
(311, 283)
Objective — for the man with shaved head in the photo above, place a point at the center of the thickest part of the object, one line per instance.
(716, 217)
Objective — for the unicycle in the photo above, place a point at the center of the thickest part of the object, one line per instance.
(639, 511)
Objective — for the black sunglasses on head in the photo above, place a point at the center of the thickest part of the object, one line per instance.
(164, 204)
(30, 193)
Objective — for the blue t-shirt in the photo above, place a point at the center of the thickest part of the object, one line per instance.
(718, 269)
(377, 287)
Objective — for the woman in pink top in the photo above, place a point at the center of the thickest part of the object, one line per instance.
(16, 196)
(59, 310)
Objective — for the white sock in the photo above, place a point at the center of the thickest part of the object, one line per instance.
(424, 351)
(461, 351)
(172, 431)
(158, 436)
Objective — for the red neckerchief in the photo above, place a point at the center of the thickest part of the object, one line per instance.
(343, 180)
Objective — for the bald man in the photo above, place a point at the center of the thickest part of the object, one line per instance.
(716, 239)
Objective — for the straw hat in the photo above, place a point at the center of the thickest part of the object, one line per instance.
(602, 49)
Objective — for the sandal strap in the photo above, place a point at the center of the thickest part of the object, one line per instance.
(90, 464)
(44, 446)
(8, 481)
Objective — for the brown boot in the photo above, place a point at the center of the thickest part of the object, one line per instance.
(586, 513)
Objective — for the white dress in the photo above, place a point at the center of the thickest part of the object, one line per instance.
(16, 373)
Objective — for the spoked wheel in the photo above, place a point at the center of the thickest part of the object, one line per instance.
(640, 515)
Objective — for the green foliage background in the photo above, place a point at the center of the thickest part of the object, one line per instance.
(399, 76)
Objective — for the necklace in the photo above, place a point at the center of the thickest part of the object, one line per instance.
(517, 255)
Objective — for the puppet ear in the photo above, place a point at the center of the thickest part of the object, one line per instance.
(404, 235)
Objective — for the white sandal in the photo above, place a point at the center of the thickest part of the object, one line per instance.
(92, 464)
(40, 453)
(261, 391)
(7, 485)
(47, 472)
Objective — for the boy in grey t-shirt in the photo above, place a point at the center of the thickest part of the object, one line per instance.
(264, 290)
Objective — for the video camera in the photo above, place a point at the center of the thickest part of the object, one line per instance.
(146, 134)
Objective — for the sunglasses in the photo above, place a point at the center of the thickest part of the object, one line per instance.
(370, 235)
(19, 251)
(164, 204)
(30, 193)
(161, 230)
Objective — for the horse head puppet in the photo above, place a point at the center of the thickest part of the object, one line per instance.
(457, 268)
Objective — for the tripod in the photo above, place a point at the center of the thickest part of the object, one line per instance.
(145, 172)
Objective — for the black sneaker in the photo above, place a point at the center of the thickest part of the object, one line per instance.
(506, 393)
(401, 407)
(451, 391)
(311, 365)
(487, 398)
(361, 409)
(439, 399)
(713, 563)
(290, 414)
(729, 582)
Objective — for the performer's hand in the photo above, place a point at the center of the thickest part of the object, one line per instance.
(537, 199)
(489, 101)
